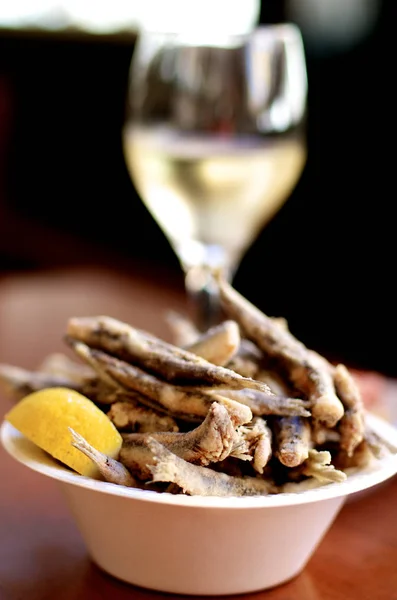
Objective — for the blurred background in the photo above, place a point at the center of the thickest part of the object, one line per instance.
(327, 259)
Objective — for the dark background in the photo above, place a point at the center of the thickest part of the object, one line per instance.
(327, 260)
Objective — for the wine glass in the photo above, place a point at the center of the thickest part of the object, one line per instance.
(214, 140)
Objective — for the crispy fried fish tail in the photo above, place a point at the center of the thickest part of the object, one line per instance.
(202, 481)
(351, 429)
(352, 424)
(110, 469)
(306, 371)
(318, 465)
(347, 388)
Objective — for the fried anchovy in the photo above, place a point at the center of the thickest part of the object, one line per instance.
(209, 442)
(243, 366)
(294, 487)
(110, 469)
(18, 382)
(292, 437)
(134, 417)
(180, 402)
(351, 428)
(202, 481)
(258, 438)
(218, 344)
(362, 457)
(112, 392)
(323, 435)
(378, 446)
(352, 424)
(60, 365)
(104, 394)
(347, 388)
(262, 404)
(275, 382)
(371, 448)
(247, 360)
(166, 360)
(248, 349)
(305, 369)
(183, 330)
(318, 465)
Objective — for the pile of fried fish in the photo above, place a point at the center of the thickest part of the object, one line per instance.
(242, 409)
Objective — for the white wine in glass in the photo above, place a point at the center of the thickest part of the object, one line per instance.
(214, 140)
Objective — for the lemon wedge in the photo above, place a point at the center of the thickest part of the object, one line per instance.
(45, 416)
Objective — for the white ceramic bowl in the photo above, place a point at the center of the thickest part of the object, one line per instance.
(200, 545)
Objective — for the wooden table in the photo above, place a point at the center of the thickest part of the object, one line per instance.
(42, 556)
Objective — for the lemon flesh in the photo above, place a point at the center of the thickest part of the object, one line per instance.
(45, 416)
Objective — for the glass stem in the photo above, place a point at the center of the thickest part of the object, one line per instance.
(203, 301)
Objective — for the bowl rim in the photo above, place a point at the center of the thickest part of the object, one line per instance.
(27, 453)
